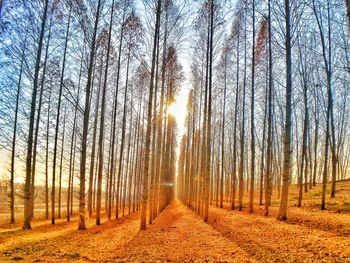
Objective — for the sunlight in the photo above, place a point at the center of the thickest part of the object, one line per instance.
(178, 109)
(172, 110)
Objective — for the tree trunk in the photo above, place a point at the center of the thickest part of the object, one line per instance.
(235, 129)
(72, 143)
(241, 166)
(61, 163)
(53, 190)
(102, 123)
(47, 157)
(282, 215)
(27, 193)
(38, 120)
(154, 129)
(252, 134)
(81, 225)
(122, 142)
(208, 138)
(223, 137)
(149, 120)
(13, 151)
(262, 160)
(114, 121)
(267, 181)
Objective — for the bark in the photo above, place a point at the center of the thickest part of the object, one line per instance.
(47, 157)
(72, 143)
(149, 120)
(269, 156)
(61, 163)
(282, 215)
(160, 132)
(133, 161)
(121, 152)
(208, 148)
(114, 121)
(304, 161)
(81, 225)
(242, 142)
(37, 126)
(262, 160)
(252, 134)
(27, 193)
(128, 175)
(153, 154)
(13, 150)
(53, 190)
(138, 154)
(223, 138)
(235, 129)
(330, 129)
(102, 121)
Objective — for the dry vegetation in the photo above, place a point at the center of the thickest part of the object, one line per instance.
(179, 235)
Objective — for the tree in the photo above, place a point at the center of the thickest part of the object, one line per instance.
(102, 122)
(282, 214)
(81, 225)
(210, 81)
(57, 125)
(114, 114)
(235, 36)
(242, 142)
(27, 193)
(223, 131)
(149, 118)
(269, 157)
(37, 126)
(304, 157)
(252, 128)
(13, 152)
(330, 128)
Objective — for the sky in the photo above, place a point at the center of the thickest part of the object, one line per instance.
(179, 108)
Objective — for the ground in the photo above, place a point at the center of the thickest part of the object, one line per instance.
(179, 235)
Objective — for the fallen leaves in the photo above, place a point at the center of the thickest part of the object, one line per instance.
(179, 235)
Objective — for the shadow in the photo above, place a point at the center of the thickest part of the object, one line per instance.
(69, 242)
(254, 248)
(315, 220)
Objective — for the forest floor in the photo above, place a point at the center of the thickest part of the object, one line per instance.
(180, 235)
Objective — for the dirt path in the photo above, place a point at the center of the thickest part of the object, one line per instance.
(305, 237)
(178, 235)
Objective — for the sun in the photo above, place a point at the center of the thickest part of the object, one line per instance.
(178, 109)
(172, 110)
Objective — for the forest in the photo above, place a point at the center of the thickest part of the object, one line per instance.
(175, 130)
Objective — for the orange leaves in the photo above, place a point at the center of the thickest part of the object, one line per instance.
(262, 39)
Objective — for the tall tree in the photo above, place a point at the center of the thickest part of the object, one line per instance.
(223, 130)
(330, 127)
(102, 122)
(149, 120)
(252, 131)
(282, 214)
(27, 193)
(53, 187)
(15, 123)
(81, 225)
(267, 180)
